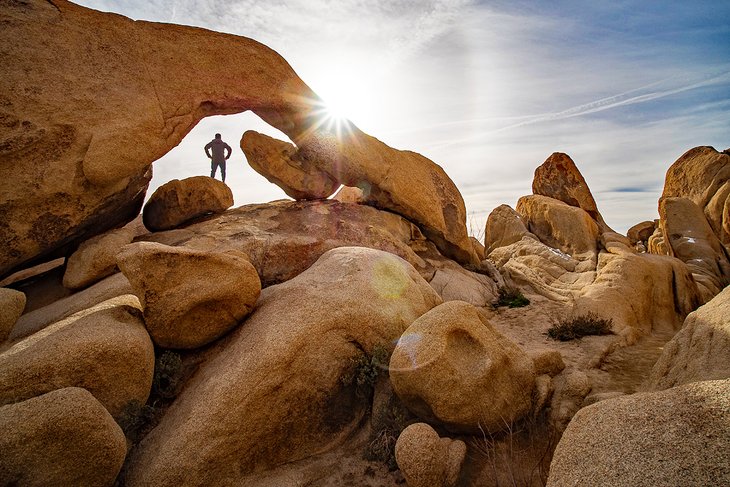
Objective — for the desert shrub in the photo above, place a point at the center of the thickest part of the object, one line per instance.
(580, 326)
(364, 369)
(136, 420)
(512, 297)
(168, 375)
(387, 427)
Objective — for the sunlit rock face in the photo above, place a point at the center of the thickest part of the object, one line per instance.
(79, 132)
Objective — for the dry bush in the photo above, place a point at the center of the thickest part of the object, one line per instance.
(580, 326)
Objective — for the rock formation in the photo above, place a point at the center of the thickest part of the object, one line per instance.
(108, 353)
(189, 298)
(700, 350)
(12, 303)
(674, 437)
(452, 367)
(179, 201)
(275, 391)
(64, 437)
(279, 162)
(96, 258)
(427, 460)
(86, 138)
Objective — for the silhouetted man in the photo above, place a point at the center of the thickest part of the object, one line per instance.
(218, 156)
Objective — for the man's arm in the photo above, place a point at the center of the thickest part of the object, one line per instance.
(230, 151)
(207, 148)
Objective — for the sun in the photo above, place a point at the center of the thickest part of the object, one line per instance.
(345, 102)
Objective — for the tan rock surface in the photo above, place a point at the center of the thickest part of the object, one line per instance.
(561, 226)
(692, 241)
(674, 437)
(559, 178)
(64, 437)
(279, 163)
(427, 460)
(700, 350)
(12, 304)
(453, 368)
(504, 227)
(283, 238)
(140, 88)
(189, 298)
(640, 293)
(181, 200)
(96, 258)
(274, 393)
(454, 283)
(641, 232)
(349, 194)
(547, 361)
(111, 287)
(702, 174)
(109, 353)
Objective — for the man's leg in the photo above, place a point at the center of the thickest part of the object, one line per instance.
(212, 169)
(223, 171)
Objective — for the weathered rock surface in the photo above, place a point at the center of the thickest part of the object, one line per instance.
(12, 304)
(570, 390)
(189, 298)
(702, 174)
(559, 225)
(279, 163)
(640, 293)
(547, 361)
(691, 240)
(504, 227)
(700, 350)
(559, 178)
(452, 367)
(454, 283)
(283, 238)
(96, 258)
(674, 437)
(348, 194)
(87, 135)
(109, 353)
(181, 200)
(641, 232)
(64, 437)
(275, 393)
(113, 286)
(427, 460)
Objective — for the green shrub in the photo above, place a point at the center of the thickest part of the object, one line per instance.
(512, 297)
(168, 375)
(364, 370)
(580, 326)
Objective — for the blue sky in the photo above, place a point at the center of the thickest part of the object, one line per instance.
(489, 90)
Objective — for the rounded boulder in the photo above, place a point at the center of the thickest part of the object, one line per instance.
(452, 367)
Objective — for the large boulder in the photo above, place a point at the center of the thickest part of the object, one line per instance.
(109, 353)
(64, 437)
(80, 132)
(640, 293)
(702, 174)
(690, 238)
(673, 437)
(559, 178)
(279, 162)
(181, 200)
(281, 386)
(504, 227)
(700, 350)
(427, 460)
(453, 368)
(190, 298)
(12, 304)
(283, 238)
(567, 228)
(96, 258)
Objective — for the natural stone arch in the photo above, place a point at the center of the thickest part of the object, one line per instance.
(84, 117)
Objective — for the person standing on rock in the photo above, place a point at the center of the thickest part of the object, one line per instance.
(216, 152)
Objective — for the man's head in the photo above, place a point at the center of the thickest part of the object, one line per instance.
(217, 136)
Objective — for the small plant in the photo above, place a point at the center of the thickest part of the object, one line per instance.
(580, 326)
(387, 423)
(136, 420)
(364, 370)
(168, 375)
(512, 297)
